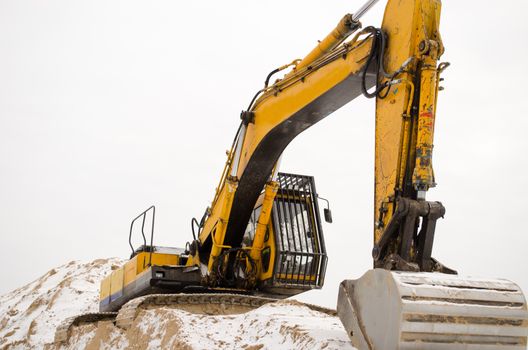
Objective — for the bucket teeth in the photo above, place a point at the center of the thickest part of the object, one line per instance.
(401, 310)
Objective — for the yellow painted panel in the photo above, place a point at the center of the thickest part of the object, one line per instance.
(165, 259)
(140, 263)
(130, 270)
(104, 288)
(116, 283)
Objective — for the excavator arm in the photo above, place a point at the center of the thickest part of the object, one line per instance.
(405, 118)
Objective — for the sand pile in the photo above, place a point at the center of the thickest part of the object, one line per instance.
(31, 314)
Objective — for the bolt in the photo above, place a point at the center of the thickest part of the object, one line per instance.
(423, 46)
(376, 252)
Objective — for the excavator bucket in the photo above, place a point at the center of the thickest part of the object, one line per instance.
(386, 310)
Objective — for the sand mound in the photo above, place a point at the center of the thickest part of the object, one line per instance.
(32, 313)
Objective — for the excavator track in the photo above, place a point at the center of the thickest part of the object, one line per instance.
(63, 330)
(206, 303)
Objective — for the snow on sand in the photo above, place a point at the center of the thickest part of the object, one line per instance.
(31, 314)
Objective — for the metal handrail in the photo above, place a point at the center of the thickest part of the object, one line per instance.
(143, 215)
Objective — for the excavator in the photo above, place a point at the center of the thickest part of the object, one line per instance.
(261, 239)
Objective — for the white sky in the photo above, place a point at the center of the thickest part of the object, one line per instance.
(107, 107)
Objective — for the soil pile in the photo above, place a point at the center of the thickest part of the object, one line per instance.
(30, 315)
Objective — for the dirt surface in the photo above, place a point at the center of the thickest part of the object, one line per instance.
(280, 325)
(31, 314)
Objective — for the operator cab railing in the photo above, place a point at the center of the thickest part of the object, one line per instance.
(301, 254)
(150, 212)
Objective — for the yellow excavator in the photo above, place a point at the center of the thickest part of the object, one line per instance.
(261, 239)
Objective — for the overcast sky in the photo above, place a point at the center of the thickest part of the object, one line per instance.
(107, 107)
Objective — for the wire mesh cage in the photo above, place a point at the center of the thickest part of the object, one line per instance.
(301, 253)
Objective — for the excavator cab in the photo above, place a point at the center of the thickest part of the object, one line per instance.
(295, 248)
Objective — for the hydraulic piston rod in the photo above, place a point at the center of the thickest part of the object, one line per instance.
(364, 9)
(348, 25)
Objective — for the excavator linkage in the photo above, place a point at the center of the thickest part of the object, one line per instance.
(389, 310)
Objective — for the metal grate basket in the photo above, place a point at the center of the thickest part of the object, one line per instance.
(301, 253)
